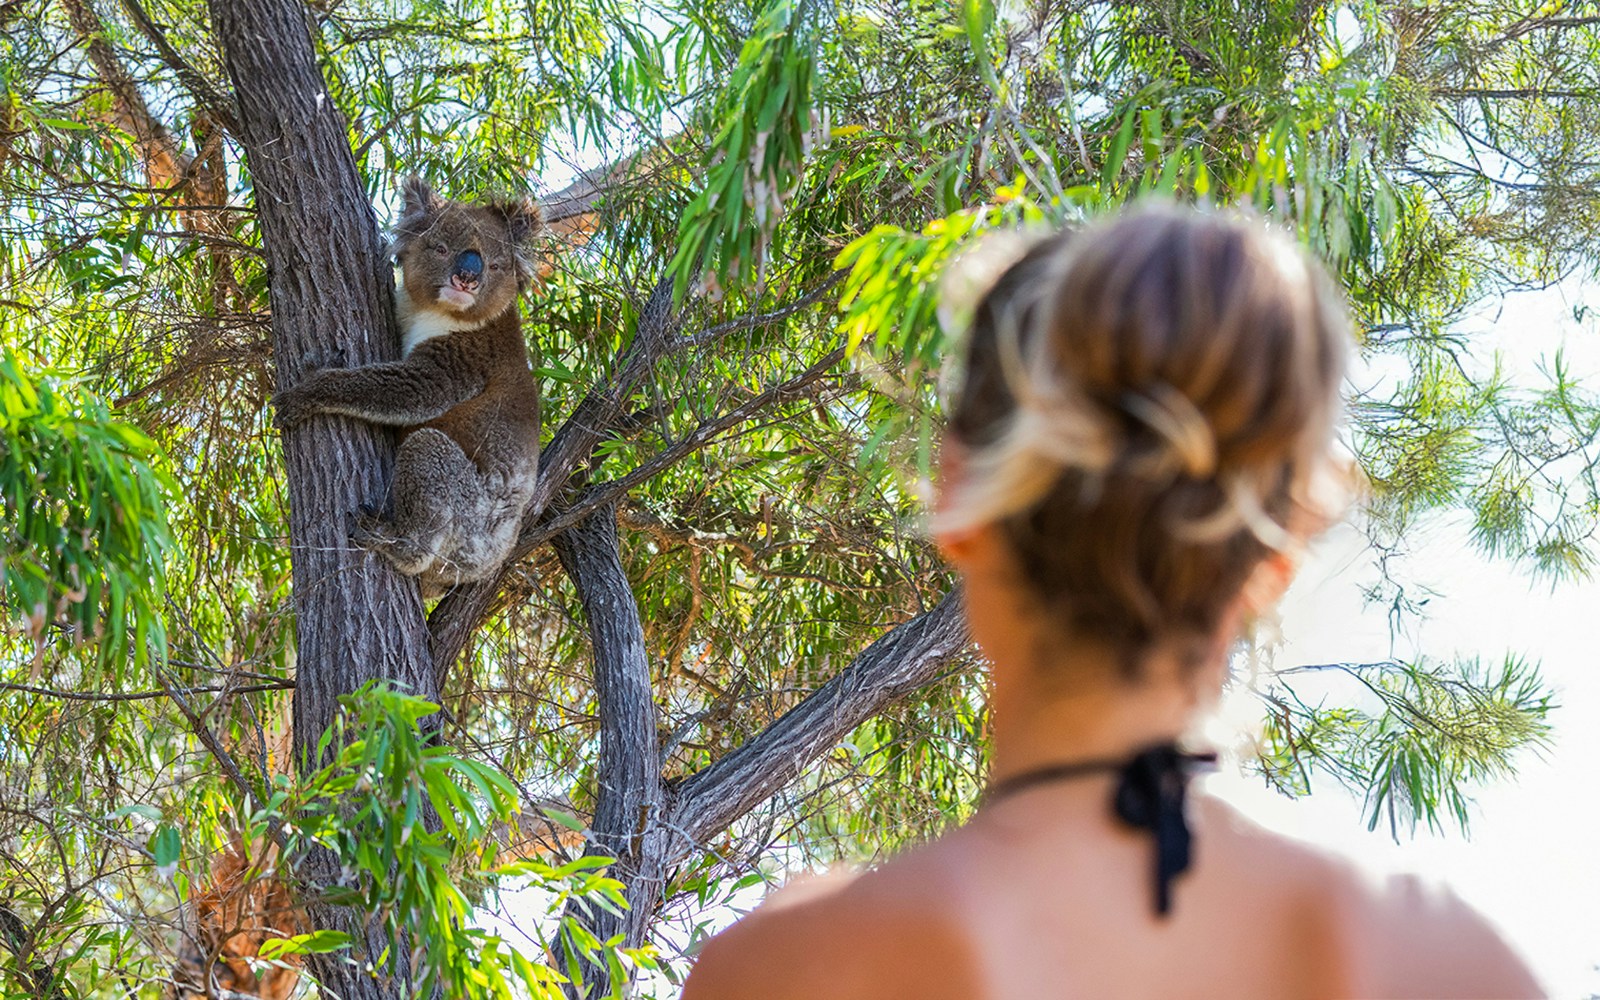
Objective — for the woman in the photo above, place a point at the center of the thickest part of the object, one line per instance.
(1141, 444)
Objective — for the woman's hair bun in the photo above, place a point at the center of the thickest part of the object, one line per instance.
(1143, 405)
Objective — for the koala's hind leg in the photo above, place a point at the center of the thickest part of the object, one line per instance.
(478, 552)
(437, 493)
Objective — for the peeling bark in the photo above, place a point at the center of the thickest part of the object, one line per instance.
(196, 184)
(164, 164)
(193, 179)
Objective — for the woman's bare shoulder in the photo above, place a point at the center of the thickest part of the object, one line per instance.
(1387, 933)
(1413, 936)
(770, 952)
(842, 936)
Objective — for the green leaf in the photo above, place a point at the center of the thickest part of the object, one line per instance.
(315, 943)
(165, 846)
(566, 819)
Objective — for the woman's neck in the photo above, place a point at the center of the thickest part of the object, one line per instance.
(1063, 712)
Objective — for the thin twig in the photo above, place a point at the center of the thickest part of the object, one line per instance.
(143, 695)
(702, 436)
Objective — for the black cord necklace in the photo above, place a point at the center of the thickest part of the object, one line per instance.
(1149, 796)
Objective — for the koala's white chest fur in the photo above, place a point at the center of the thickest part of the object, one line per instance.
(418, 325)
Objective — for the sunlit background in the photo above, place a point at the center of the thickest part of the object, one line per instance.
(1530, 858)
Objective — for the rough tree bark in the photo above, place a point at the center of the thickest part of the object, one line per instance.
(627, 819)
(357, 620)
(908, 657)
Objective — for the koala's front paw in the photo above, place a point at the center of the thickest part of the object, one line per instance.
(317, 360)
(291, 407)
(378, 536)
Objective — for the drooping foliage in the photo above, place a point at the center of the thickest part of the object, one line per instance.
(86, 541)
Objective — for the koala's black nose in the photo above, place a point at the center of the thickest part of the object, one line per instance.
(469, 265)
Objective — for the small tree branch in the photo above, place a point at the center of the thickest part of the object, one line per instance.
(456, 617)
(218, 104)
(783, 312)
(702, 436)
(224, 759)
(144, 695)
(582, 197)
(1532, 24)
(579, 198)
(908, 657)
(630, 798)
(30, 969)
(165, 165)
(1516, 94)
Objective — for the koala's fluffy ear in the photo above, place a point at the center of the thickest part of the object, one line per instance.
(419, 196)
(523, 219)
(420, 203)
(523, 222)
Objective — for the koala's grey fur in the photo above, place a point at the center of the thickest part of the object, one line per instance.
(463, 393)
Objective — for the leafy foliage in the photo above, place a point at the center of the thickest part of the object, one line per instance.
(1431, 727)
(758, 154)
(892, 294)
(371, 805)
(86, 537)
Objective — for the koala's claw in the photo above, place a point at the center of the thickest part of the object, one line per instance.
(370, 528)
(315, 360)
(378, 536)
(373, 530)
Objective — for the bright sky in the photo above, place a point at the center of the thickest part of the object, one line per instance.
(1532, 860)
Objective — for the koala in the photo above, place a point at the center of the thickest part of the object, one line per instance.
(463, 394)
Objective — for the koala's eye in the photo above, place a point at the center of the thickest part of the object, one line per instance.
(494, 266)
(439, 249)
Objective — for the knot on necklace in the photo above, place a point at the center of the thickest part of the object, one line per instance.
(1150, 794)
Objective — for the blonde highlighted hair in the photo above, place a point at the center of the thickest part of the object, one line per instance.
(1146, 403)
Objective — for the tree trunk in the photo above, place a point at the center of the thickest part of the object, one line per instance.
(631, 797)
(330, 283)
(638, 821)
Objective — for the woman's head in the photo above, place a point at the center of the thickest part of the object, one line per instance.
(1147, 404)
